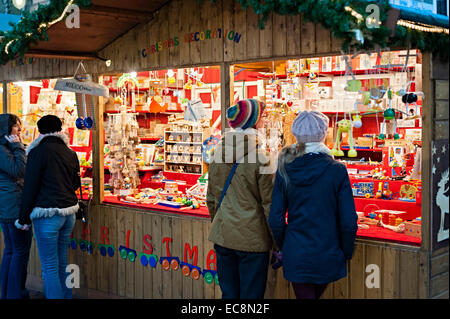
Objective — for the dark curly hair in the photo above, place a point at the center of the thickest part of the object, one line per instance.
(13, 120)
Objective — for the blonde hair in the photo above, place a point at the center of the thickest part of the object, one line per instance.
(288, 155)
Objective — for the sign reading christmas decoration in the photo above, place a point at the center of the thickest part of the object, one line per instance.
(218, 33)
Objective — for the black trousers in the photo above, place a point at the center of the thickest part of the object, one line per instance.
(242, 275)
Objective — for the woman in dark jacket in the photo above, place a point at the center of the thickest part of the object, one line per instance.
(318, 237)
(49, 200)
(13, 271)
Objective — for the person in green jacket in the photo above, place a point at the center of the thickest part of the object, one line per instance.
(240, 232)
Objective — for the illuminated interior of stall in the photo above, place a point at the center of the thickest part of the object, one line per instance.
(160, 128)
(33, 99)
(374, 103)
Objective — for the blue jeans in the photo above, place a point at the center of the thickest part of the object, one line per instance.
(242, 275)
(13, 271)
(53, 237)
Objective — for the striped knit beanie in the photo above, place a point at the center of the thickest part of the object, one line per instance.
(245, 114)
(310, 126)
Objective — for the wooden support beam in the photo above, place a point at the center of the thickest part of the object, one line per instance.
(42, 54)
(5, 96)
(119, 13)
(226, 91)
(97, 148)
(427, 136)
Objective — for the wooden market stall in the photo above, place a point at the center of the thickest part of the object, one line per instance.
(122, 248)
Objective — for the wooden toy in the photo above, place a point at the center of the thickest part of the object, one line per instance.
(386, 191)
(379, 193)
(171, 187)
(344, 126)
(364, 188)
(169, 204)
(368, 221)
(408, 192)
(392, 219)
(413, 228)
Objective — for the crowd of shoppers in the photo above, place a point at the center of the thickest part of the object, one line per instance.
(304, 212)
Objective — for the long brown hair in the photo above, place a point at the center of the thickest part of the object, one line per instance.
(288, 155)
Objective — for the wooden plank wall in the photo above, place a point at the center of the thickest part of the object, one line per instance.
(283, 36)
(439, 266)
(403, 270)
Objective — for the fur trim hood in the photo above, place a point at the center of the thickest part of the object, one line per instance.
(63, 136)
(39, 212)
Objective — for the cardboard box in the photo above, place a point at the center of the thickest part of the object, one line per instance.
(365, 141)
(395, 143)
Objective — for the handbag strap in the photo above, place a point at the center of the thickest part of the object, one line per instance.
(81, 189)
(227, 183)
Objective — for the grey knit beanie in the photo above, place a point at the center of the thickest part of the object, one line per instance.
(310, 126)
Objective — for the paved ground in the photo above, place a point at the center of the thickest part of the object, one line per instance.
(36, 288)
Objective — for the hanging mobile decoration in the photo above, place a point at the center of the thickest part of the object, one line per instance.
(409, 97)
(82, 85)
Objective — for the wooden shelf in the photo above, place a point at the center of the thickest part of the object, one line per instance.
(192, 143)
(144, 112)
(367, 72)
(135, 89)
(172, 152)
(183, 163)
(363, 149)
(150, 139)
(174, 132)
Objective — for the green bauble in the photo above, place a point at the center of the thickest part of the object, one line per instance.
(396, 136)
(389, 114)
(381, 137)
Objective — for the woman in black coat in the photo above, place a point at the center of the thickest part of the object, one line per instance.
(13, 270)
(52, 176)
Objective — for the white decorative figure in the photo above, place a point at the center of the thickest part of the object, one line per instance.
(442, 203)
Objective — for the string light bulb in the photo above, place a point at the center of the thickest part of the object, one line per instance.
(42, 25)
(19, 4)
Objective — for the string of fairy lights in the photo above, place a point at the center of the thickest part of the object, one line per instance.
(42, 26)
(354, 13)
(422, 27)
(401, 22)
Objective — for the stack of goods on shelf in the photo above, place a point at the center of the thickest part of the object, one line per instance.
(122, 138)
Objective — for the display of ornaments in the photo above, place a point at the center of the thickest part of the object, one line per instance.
(121, 133)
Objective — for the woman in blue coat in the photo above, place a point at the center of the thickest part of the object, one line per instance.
(318, 236)
(13, 270)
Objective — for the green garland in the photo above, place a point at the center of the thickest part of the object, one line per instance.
(332, 15)
(26, 31)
